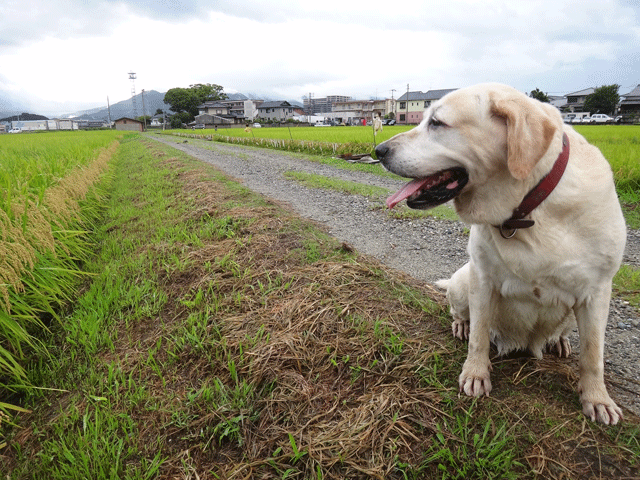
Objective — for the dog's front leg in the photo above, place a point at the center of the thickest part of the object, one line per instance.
(592, 315)
(475, 377)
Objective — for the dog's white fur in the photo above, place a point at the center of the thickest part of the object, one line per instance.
(528, 291)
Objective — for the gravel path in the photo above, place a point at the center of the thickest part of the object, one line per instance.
(426, 249)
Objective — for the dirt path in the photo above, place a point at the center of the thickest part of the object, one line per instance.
(426, 249)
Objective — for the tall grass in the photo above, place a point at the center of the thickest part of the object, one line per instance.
(317, 141)
(313, 134)
(47, 203)
(620, 144)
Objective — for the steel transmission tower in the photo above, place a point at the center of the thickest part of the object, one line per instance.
(132, 77)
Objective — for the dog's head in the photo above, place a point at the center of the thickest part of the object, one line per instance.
(470, 143)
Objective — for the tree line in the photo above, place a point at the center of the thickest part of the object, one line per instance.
(185, 101)
(603, 100)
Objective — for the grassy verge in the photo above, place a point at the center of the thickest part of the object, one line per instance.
(224, 337)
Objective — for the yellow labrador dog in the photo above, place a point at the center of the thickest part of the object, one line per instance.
(547, 232)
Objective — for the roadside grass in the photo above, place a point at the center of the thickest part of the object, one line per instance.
(376, 194)
(344, 186)
(224, 337)
(620, 144)
(626, 284)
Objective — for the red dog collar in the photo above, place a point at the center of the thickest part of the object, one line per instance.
(537, 195)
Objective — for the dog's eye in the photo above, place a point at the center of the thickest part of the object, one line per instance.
(435, 123)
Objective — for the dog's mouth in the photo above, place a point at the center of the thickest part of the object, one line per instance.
(425, 193)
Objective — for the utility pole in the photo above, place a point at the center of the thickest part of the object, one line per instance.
(406, 120)
(109, 110)
(393, 104)
(144, 120)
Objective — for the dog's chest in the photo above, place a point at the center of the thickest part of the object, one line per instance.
(549, 281)
(543, 291)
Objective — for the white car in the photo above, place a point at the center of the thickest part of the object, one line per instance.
(15, 130)
(256, 125)
(601, 118)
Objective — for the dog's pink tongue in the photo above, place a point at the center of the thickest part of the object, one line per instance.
(406, 191)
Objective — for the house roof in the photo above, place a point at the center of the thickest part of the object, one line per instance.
(633, 93)
(429, 95)
(127, 118)
(581, 93)
(276, 104)
(213, 104)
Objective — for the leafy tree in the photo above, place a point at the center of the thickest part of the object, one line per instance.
(188, 99)
(179, 118)
(539, 95)
(603, 100)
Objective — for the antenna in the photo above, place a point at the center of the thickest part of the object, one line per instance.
(132, 77)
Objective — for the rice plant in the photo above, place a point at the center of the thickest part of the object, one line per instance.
(47, 202)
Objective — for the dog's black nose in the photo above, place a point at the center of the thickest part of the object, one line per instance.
(382, 150)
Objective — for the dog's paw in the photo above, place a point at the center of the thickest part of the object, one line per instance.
(475, 381)
(604, 410)
(460, 328)
(562, 348)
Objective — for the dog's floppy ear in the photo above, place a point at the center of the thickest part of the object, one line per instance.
(530, 130)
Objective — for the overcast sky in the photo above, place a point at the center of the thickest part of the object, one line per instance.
(80, 51)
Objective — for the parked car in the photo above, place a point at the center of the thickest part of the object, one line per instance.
(15, 130)
(600, 118)
(569, 118)
(256, 125)
(391, 122)
(198, 126)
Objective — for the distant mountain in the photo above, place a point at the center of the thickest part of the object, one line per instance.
(236, 96)
(152, 102)
(23, 117)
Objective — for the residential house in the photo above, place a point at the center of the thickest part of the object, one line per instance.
(411, 105)
(357, 112)
(217, 112)
(157, 120)
(280, 111)
(314, 106)
(246, 109)
(630, 103)
(557, 101)
(575, 100)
